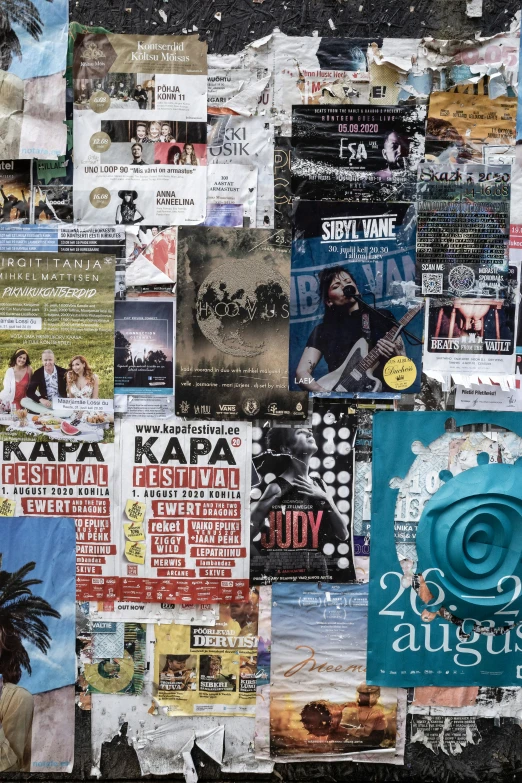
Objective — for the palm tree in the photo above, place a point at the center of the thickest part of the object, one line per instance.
(21, 612)
(17, 12)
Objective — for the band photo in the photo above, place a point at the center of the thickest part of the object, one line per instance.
(126, 90)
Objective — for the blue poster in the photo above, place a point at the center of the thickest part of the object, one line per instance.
(37, 642)
(446, 543)
(355, 324)
(36, 37)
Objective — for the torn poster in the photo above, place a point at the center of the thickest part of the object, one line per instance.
(154, 612)
(184, 512)
(118, 658)
(353, 270)
(37, 670)
(443, 597)
(151, 255)
(160, 742)
(236, 185)
(144, 346)
(244, 91)
(471, 334)
(233, 298)
(362, 491)
(462, 228)
(209, 670)
(53, 190)
(248, 141)
(360, 153)
(482, 702)
(16, 191)
(310, 70)
(67, 479)
(320, 700)
(449, 735)
(32, 87)
(139, 129)
(264, 646)
(463, 128)
(299, 522)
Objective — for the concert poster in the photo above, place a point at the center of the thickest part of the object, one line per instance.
(233, 299)
(143, 346)
(358, 153)
(321, 704)
(463, 228)
(300, 522)
(355, 324)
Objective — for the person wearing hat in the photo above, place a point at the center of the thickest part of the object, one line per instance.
(371, 723)
(127, 211)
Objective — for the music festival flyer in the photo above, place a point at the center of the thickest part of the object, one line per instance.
(359, 153)
(184, 516)
(301, 499)
(355, 324)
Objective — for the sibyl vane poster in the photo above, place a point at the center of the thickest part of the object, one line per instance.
(446, 571)
(355, 325)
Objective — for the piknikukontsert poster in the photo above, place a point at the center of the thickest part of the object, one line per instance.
(355, 324)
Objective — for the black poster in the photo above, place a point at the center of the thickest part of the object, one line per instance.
(300, 511)
(233, 301)
(143, 347)
(359, 153)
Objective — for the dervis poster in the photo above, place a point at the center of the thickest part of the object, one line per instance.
(233, 299)
(37, 629)
(140, 129)
(202, 670)
(320, 701)
(300, 521)
(183, 519)
(445, 572)
(67, 479)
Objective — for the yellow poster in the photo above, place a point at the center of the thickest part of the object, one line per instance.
(202, 670)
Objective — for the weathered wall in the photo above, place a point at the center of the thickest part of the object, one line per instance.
(499, 756)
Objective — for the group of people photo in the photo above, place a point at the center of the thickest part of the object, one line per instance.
(36, 390)
(123, 89)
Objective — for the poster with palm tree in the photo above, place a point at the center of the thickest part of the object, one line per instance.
(33, 50)
(37, 644)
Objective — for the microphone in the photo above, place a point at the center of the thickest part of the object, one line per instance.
(350, 292)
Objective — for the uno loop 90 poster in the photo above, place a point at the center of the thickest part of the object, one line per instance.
(301, 499)
(446, 571)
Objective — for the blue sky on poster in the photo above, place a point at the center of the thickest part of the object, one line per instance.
(51, 544)
(48, 55)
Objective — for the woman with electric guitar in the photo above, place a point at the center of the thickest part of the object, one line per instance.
(355, 340)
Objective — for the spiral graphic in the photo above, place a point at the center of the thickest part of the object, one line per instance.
(470, 534)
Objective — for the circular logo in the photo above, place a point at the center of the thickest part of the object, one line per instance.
(251, 406)
(100, 141)
(461, 279)
(100, 198)
(399, 373)
(99, 101)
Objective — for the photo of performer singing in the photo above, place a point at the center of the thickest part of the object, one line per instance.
(346, 320)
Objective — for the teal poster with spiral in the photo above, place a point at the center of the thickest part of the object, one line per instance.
(446, 541)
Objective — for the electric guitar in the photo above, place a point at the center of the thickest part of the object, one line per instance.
(355, 373)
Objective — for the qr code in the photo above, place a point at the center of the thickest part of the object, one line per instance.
(432, 283)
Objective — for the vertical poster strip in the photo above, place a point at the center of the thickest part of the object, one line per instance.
(184, 517)
(300, 526)
(37, 629)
